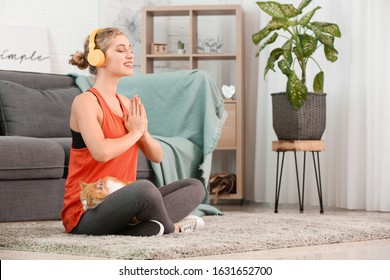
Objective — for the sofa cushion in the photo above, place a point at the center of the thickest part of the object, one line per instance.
(38, 80)
(30, 158)
(35, 113)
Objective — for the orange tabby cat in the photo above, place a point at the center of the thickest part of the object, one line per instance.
(94, 193)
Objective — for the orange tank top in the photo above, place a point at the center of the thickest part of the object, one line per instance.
(82, 166)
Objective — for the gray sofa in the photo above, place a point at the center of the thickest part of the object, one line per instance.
(35, 144)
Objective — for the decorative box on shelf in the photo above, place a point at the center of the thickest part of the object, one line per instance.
(157, 48)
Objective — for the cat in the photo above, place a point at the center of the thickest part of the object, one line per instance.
(92, 194)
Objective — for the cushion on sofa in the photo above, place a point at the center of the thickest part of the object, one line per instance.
(30, 158)
(38, 80)
(35, 113)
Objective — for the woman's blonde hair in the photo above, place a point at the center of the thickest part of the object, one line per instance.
(103, 39)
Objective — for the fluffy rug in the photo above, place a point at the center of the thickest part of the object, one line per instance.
(231, 233)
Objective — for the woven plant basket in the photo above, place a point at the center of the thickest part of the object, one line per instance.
(305, 123)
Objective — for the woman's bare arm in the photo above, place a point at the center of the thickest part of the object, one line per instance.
(86, 118)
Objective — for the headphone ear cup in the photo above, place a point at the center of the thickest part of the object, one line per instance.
(96, 57)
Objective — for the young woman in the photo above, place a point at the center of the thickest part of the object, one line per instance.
(107, 130)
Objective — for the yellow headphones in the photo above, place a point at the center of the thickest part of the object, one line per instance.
(95, 56)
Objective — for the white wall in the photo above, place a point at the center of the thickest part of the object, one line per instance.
(68, 23)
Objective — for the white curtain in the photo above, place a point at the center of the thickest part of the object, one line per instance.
(355, 167)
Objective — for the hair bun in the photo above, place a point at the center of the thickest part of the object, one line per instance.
(78, 59)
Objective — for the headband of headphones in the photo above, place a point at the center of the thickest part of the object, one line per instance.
(92, 36)
(95, 56)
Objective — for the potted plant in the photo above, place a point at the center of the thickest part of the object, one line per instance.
(180, 47)
(296, 108)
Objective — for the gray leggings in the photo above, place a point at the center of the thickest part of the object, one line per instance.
(167, 204)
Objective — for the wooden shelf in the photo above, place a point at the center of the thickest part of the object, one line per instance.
(232, 137)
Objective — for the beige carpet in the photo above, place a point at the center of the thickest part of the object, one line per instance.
(232, 233)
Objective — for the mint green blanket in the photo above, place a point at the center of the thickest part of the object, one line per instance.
(185, 113)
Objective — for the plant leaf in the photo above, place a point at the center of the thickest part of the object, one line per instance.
(318, 84)
(330, 28)
(296, 91)
(279, 11)
(276, 24)
(271, 26)
(308, 44)
(269, 41)
(306, 18)
(260, 35)
(325, 39)
(290, 11)
(272, 8)
(285, 63)
(273, 57)
(303, 4)
(330, 53)
(288, 45)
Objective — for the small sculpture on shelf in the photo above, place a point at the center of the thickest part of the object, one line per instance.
(214, 45)
(228, 91)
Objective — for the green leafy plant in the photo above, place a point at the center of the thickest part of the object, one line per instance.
(303, 38)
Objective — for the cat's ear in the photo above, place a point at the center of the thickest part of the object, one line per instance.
(82, 184)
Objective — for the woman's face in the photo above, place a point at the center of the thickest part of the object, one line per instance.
(119, 56)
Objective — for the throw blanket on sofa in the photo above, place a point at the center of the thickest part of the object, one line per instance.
(185, 113)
